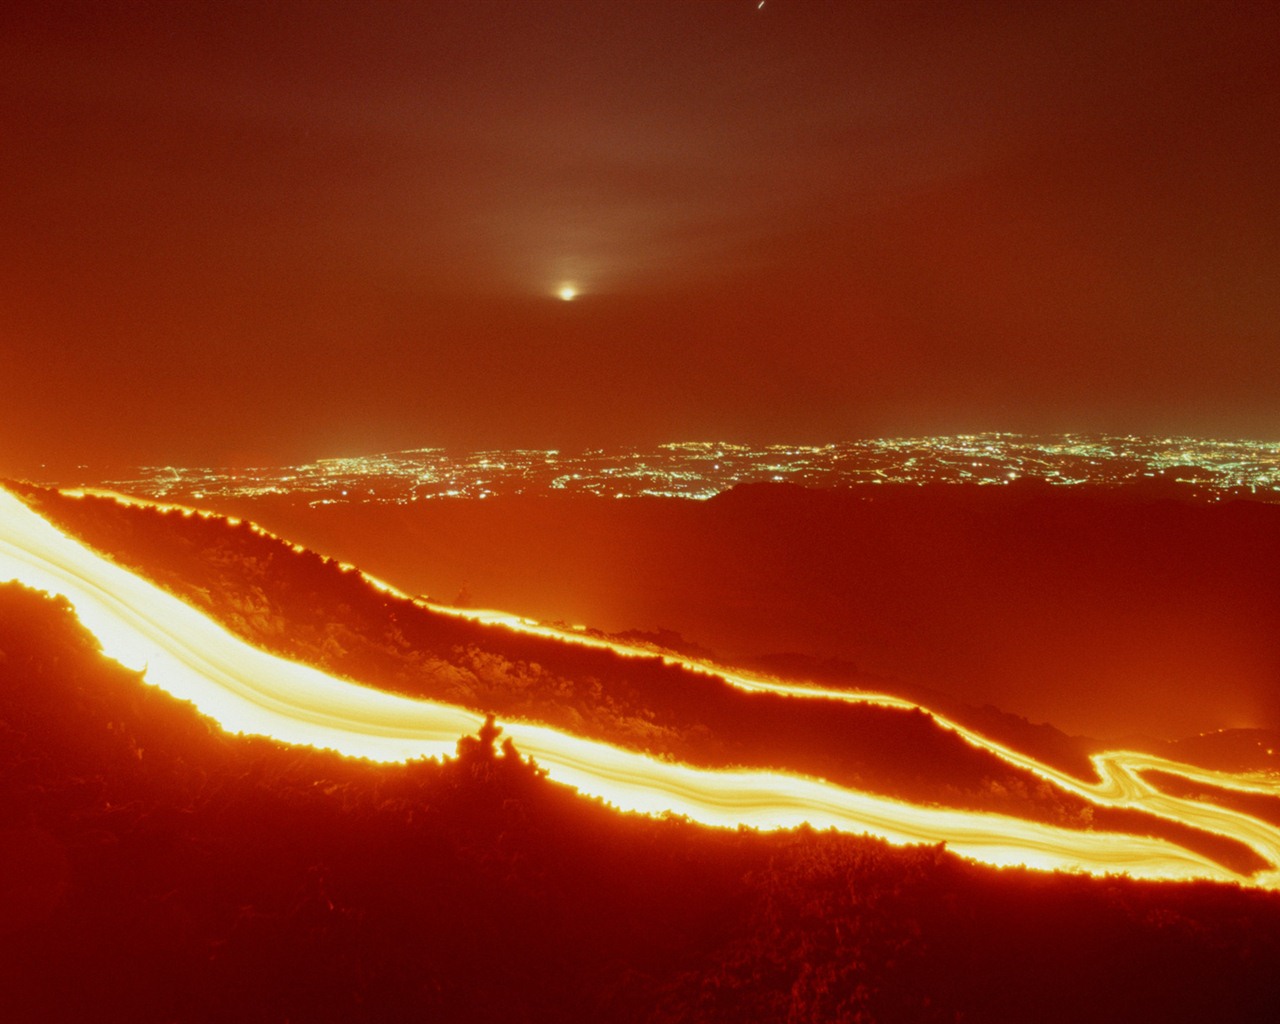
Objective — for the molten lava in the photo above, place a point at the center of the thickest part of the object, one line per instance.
(248, 690)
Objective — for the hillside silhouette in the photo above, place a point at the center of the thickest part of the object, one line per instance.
(159, 870)
(306, 607)
(1111, 612)
(310, 608)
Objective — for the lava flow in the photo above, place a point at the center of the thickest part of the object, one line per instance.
(247, 690)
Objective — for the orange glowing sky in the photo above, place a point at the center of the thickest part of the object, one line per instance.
(238, 232)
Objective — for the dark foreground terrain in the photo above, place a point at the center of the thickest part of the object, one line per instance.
(154, 869)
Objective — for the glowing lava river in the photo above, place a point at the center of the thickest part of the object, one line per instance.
(247, 690)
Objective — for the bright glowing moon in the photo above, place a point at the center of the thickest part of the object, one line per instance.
(568, 293)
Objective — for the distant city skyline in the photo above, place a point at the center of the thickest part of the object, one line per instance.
(1207, 469)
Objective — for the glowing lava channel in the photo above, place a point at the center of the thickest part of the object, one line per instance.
(248, 690)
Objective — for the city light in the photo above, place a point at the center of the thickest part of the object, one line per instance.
(1203, 470)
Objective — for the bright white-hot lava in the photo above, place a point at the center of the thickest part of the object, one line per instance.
(248, 690)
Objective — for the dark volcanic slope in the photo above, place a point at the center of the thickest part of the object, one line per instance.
(1106, 613)
(306, 607)
(309, 608)
(156, 870)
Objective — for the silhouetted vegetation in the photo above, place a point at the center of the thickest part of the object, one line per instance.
(156, 869)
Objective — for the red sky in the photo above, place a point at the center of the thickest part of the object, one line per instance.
(262, 231)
